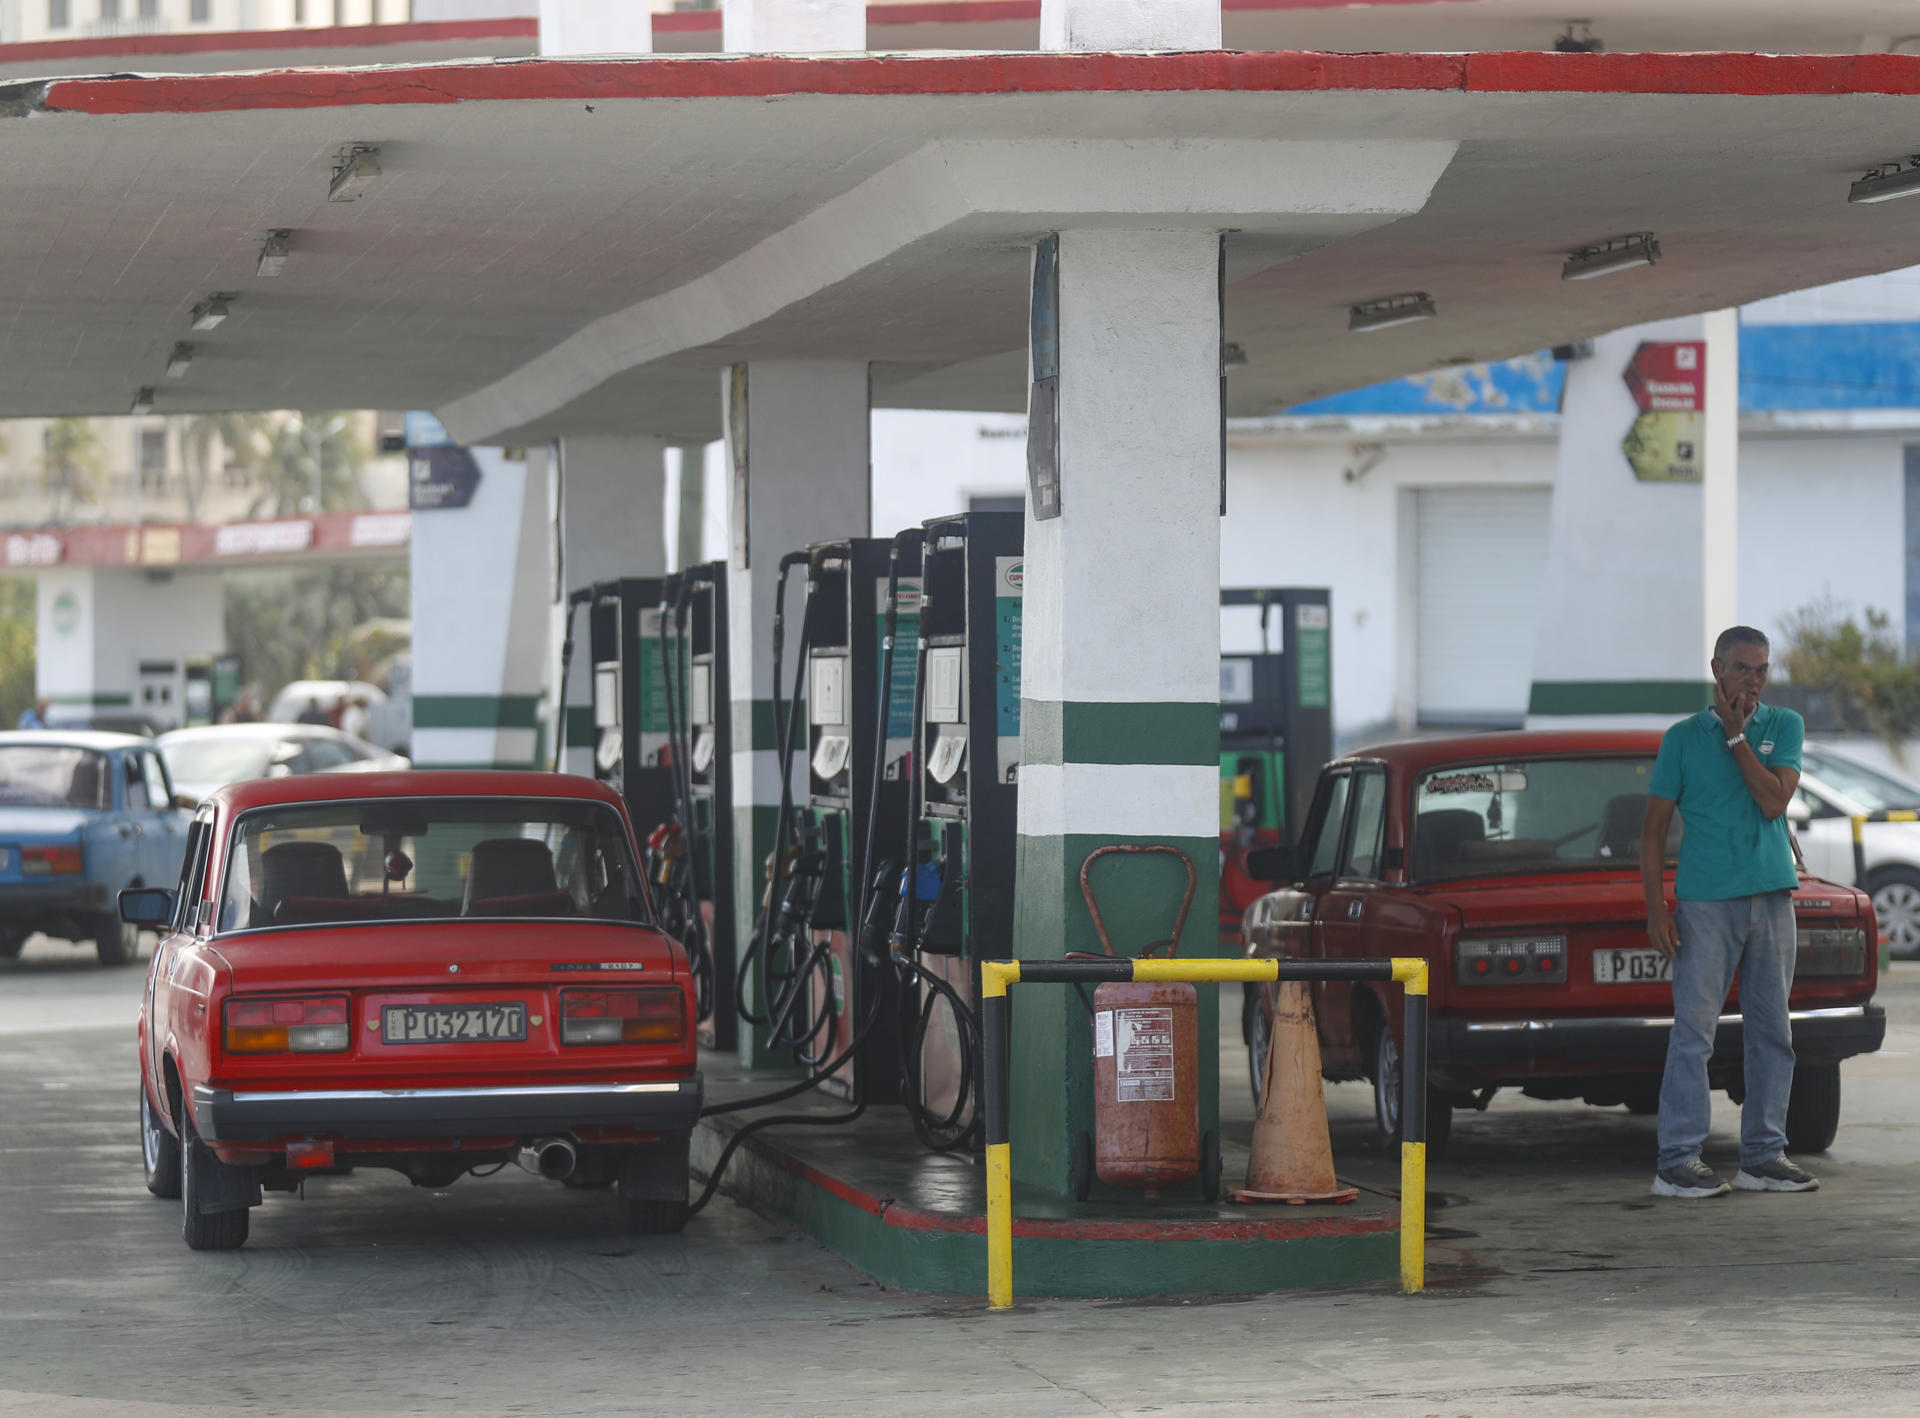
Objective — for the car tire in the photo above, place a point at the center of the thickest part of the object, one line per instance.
(1896, 907)
(1386, 1097)
(208, 1231)
(1643, 1097)
(652, 1181)
(649, 1217)
(1257, 1029)
(1813, 1107)
(159, 1151)
(116, 941)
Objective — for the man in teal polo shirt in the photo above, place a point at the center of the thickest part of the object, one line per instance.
(1731, 770)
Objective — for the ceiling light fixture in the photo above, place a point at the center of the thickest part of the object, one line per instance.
(143, 401)
(273, 254)
(1887, 180)
(210, 312)
(357, 165)
(180, 361)
(1392, 310)
(1616, 253)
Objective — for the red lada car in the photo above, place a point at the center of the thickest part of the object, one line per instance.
(436, 972)
(1511, 862)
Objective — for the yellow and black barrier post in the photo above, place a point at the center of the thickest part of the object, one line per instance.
(996, 1037)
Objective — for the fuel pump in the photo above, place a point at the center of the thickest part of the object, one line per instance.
(860, 738)
(956, 892)
(701, 724)
(629, 698)
(1276, 728)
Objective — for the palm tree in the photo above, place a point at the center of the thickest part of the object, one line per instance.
(312, 464)
(72, 454)
(243, 438)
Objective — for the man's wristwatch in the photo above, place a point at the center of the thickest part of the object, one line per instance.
(1736, 740)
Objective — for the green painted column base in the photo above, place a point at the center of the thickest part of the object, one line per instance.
(1062, 1252)
(1052, 1043)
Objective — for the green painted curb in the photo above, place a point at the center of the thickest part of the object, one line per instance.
(952, 1262)
(1648, 696)
(1075, 731)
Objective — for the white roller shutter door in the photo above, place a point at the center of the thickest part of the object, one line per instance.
(1482, 564)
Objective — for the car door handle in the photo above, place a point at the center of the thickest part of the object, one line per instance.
(126, 829)
(1354, 908)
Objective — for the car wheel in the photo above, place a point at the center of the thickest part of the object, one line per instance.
(1643, 1097)
(647, 1217)
(1257, 1029)
(653, 1186)
(1813, 1107)
(1896, 906)
(159, 1151)
(1386, 1097)
(204, 1231)
(117, 941)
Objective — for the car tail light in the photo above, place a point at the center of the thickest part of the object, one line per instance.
(51, 861)
(304, 1024)
(644, 1016)
(1518, 960)
(1830, 951)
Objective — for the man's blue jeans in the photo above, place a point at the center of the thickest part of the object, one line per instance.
(1752, 936)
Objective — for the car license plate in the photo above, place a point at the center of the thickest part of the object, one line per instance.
(1631, 967)
(453, 1024)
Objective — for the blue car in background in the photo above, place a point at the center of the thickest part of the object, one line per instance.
(82, 816)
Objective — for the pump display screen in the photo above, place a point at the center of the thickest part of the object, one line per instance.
(606, 696)
(827, 694)
(702, 696)
(944, 685)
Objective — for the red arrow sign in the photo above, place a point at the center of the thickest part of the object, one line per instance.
(1668, 376)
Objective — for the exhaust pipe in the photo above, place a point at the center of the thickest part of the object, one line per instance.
(549, 1157)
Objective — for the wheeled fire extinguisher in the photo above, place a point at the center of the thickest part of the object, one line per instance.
(1146, 1071)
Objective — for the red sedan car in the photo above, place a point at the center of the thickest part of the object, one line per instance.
(1511, 862)
(436, 972)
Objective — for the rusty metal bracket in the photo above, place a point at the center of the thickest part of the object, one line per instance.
(1186, 902)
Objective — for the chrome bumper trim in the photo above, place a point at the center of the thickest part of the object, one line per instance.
(360, 1095)
(1574, 1026)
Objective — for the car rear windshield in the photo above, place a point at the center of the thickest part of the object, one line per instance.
(218, 758)
(49, 775)
(1529, 815)
(419, 859)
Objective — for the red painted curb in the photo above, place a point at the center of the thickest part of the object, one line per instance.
(761, 76)
(222, 41)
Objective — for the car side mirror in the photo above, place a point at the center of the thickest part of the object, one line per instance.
(279, 770)
(147, 906)
(1271, 864)
(185, 803)
(1797, 810)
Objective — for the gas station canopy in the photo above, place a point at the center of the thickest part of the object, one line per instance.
(575, 246)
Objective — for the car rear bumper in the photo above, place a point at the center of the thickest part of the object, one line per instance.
(34, 900)
(226, 1115)
(1491, 1051)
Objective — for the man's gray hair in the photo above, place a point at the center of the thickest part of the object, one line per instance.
(1739, 635)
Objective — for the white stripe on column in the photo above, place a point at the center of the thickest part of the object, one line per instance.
(1119, 800)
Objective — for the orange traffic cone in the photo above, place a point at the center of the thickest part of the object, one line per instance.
(1292, 1157)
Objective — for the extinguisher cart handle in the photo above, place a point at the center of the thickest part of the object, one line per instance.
(1172, 944)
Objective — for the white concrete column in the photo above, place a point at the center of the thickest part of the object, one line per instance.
(596, 27)
(1129, 24)
(613, 523)
(797, 461)
(1625, 601)
(482, 591)
(105, 637)
(687, 517)
(1120, 662)
(793, 26)
(1720, 479)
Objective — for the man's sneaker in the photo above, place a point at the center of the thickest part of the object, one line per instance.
(1691, 1178)
(1776, 1174)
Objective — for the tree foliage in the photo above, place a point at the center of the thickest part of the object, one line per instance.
(1858, 668)
(16, 648)
(288, 624)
